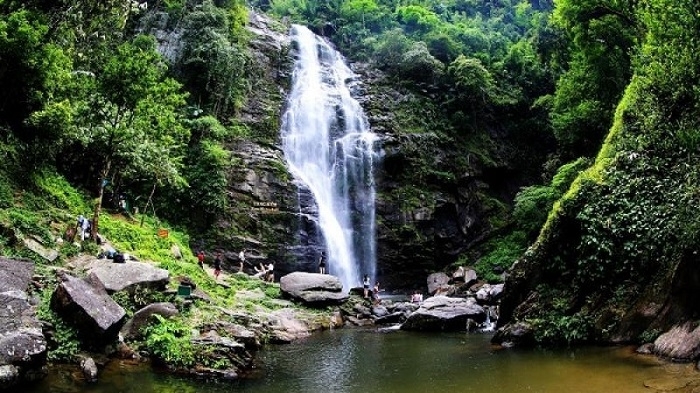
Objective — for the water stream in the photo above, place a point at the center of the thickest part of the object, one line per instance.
(330, 152)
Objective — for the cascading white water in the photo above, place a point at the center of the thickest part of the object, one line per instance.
(330, 152)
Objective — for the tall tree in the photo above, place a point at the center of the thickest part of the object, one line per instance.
(129, 118)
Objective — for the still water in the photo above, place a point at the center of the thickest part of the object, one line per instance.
(352, 360)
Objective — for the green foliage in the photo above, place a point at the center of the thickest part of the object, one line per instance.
(169, 340)
(59, 192)
(132, 301)
(213, 64)
(556, 329)
(533, 203)
(65, 344)
(500, 252)
(602, 34)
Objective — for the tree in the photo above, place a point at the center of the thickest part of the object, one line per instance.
(128, 120)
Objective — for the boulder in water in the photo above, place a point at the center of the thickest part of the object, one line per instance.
(442, 313)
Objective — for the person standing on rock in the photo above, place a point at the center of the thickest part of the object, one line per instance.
(241, 260)
(270, 272)
(322, 263)
(375, 293)
(217, 265)
(365, 285)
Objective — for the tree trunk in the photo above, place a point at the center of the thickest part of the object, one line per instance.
(150, 197)
(98, 205)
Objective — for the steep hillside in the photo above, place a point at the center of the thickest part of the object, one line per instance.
(617, 260)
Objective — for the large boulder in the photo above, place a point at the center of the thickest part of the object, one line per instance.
(132, 328)
(86, 304)
(129, 275)
(313, 289)
(223, 350)
(438, 282)
(22, 344)
(489, 294)
(445, 313)
(682, 342)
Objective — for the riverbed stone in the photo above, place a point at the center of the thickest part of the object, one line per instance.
(519, 334)
(313, 289)
(89, 368)
(442, 313)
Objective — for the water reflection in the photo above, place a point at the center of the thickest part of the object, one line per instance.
(350, 361)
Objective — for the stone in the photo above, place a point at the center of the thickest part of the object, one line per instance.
(516, 334)
(48, 254)
(437, 282)
(392, 318)
(15, 275)
(313, 289)
(86, 304)
(89, 368)
(489, 294)
(22, 344)
(239, 332)
(129, 275)
(285, 326)
(442, 313)
(132, 328)
(219, 349)
(175, 251)
(681, 342)
(9, 375)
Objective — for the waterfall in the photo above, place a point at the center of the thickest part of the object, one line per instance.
(330, 152)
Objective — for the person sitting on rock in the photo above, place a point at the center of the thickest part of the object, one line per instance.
(270, 272)
(260, 271)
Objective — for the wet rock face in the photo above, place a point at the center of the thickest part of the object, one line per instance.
(22, 343)
(88, 306)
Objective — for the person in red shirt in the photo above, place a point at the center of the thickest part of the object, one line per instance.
(200, 259)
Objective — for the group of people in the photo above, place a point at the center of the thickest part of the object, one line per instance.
(264, 272)
(375, 290)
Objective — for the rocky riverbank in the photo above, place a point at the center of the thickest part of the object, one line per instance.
(140, 311)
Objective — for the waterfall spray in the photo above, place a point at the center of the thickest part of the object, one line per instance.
(330, 152)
